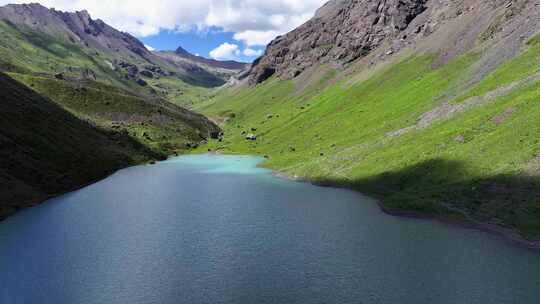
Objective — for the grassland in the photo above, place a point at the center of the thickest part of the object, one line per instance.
(479, 164)
(23, 49)
(155, 123)
(181, 93)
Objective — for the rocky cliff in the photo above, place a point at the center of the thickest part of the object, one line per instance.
(344, 31)
(340, 32)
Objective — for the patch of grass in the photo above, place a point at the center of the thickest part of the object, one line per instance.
(42, 53)
(180, 92)
(157, 124)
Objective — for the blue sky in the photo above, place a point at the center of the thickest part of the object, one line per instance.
(221, 29)
(197, 42)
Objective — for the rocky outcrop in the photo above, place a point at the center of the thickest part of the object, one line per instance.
(340, 32)
(344, 32)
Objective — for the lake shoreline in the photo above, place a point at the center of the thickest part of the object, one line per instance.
(200, 218)
(38, 201)
(509, 235)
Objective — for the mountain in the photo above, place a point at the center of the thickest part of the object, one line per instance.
(46, 150)
(81, 99)
(79, 28)
(228, 65)
(429, 105)
(340, 32)
(343, 31)
(36, 39)
(225, 70)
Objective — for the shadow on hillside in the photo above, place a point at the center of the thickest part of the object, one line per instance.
(45, 150)
(450, 189)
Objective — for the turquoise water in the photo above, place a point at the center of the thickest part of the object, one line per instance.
(217, 229)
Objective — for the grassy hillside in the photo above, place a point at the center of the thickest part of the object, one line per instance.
(179, 92)
(25, 50)
(157, 124)
(41, 53)
(108, 99)
(413, 132)
(45, 150)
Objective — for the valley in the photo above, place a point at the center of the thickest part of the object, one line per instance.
(348, 151)
(102, 80)
(430, 107)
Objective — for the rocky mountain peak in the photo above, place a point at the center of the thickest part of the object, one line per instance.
(84, 15)
(340, 32)
(182, 52)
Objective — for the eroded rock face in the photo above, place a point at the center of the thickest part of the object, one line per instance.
(340, 32)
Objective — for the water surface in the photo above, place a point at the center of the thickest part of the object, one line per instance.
(217, 229)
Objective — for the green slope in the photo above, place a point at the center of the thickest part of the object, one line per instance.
(37, 52)
(25, 50)
(117, 91)
(408, 133)
(45, 150)
(157, 124)
(61, 132)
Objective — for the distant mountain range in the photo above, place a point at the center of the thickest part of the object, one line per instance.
(229, 64)
(223, 69)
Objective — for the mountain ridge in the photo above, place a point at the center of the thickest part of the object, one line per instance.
(343, 33)
(110, 55)
(225, 64)
(78, 26)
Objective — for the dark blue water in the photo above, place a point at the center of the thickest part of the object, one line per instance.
(216, 229)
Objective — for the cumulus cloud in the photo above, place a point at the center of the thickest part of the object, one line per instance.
(151, 49)
(226, 51)
(255, 22)
(252, 38)
(252, 53)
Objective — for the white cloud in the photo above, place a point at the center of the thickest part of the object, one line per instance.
(255, 22)
(151, 49)
(252, 53)
(252, 38)
(226, 51)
